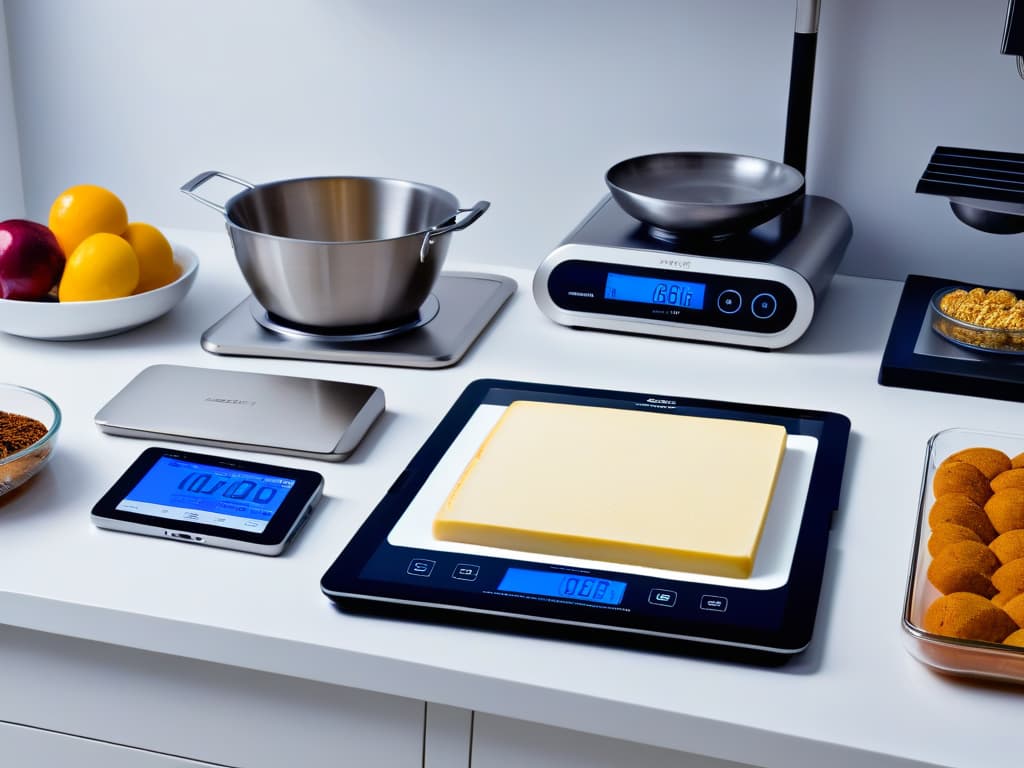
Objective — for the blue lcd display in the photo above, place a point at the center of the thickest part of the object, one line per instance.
(650, 290)
(573, 586)
(201, 493)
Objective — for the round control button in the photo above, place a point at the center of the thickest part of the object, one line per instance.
(763, 306)
(730, 301)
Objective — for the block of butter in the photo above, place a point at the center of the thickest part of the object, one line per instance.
(684, 493)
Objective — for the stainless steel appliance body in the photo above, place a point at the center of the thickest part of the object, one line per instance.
(343, 251)
(754, 289)
(312, 418)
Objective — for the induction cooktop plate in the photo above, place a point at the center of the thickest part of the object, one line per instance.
(468, 301)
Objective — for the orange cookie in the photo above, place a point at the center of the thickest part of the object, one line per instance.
(1011, 478)
(1017, 638)
(1015, 609)
(945, 534)
(1002, 599)
(990, 461)
(958, 508)
(968, 616)
(961, 477)
(964, 567)
(1008, 546)
(1017, 461)
(1006, 510)
(1010, 577)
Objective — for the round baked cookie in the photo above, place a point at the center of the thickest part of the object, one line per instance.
(968, 616)
(991, 461)
(1017, 461)
(1006, 510)
(944, 534)
(1015, 638)
(965, 566)
(1015, 609)
(1011, 478)
(1009, 577)
(1001, 599)
(961, 510)
(1008, 546)
(961, 477)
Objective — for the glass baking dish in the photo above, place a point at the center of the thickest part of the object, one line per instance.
(978, 337)
(971, 658)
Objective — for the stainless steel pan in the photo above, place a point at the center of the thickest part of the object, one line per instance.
(703, 193)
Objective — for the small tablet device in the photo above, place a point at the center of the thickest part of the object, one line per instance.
(213, 500)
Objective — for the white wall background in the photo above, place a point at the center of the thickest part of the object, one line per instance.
(12, 201)
(524, 103)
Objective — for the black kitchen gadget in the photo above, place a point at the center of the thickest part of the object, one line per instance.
(212, 500)
(395, 566)
(916, 357)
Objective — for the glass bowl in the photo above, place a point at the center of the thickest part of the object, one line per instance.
(969, 658)
(18, 466)
(977, 337)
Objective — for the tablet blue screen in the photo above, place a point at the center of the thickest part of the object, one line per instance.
(202, 493)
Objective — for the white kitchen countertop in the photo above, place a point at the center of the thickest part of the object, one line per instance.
(855, 697)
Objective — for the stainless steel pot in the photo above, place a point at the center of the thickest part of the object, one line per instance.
(342, 251)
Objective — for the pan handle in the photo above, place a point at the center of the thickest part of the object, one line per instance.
(474, 213)
(190, 187)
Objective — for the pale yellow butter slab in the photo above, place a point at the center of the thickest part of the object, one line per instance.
(684, 493)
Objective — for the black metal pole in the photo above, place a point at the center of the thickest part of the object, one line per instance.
(801, 84)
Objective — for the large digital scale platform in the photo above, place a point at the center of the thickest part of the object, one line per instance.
(394, 565)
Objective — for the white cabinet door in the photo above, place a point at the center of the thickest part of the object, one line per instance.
(198, 710)
(32, 748)
(500, 742)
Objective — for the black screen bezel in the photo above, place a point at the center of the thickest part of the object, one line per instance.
(307, 484)
(794, 604)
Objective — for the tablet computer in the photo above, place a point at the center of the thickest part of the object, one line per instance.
(211, 500)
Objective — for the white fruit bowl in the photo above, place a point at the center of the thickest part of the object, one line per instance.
(75, 320)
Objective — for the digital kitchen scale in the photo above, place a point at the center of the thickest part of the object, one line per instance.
(394, 566)
(757, 288)
(458, 310)
(916, 357)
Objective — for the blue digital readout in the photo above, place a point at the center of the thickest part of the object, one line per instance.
(650, 290)
(569, 585)
(222, 496)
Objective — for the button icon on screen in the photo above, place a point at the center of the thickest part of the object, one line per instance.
(421, 567)
(665, 597)
(466, 572)
(714, 603)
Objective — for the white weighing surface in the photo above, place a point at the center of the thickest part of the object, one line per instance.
(854, 698)
(774, 554)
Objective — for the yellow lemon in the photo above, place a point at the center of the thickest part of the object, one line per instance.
(103, 266)
(156, 258)
(84, 210)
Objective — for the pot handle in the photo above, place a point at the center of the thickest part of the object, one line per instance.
(190, 187)
(474, 213)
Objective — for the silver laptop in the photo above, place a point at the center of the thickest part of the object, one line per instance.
(311, 418)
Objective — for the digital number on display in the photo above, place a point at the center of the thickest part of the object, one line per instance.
(575, 586)
(221, 496)
(649, 290)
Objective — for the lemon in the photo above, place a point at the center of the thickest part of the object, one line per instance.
(156, 258)
(84, 210)
(103, 266)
